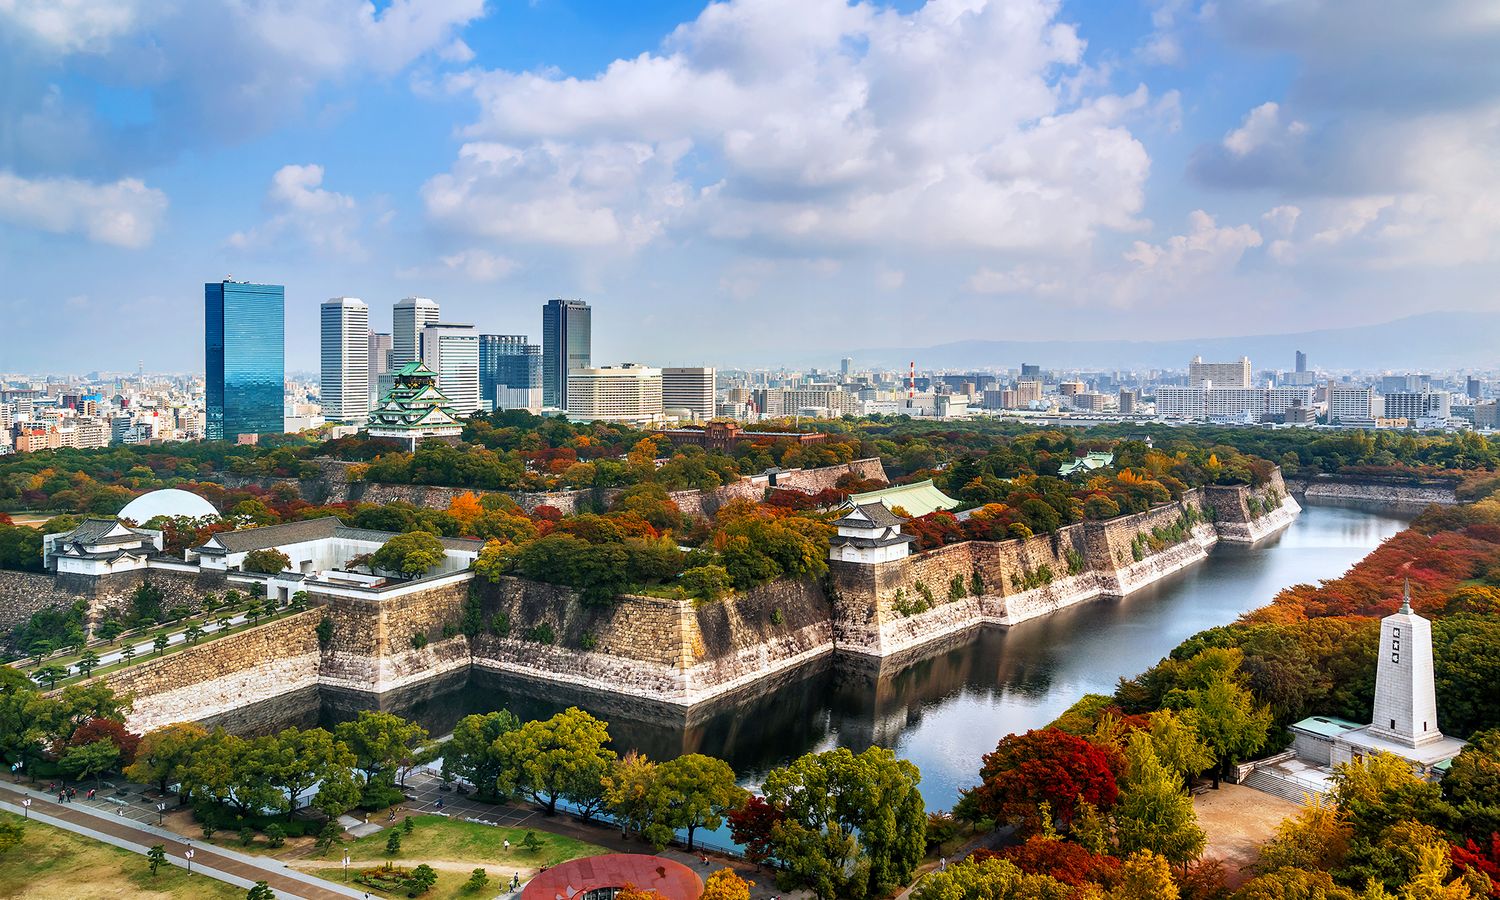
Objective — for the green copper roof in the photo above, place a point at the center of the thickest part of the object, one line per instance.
(1326, 726)
(415, 368)
(917, 499)
(1095, 459)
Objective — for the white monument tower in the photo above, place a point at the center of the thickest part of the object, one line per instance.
(1405, 699)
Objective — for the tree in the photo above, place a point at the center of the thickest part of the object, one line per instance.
(1066, 861)
(478, 880)
(630, 795)
(411, 554)
(726, 885)
(160, 643)
(268, 562)
(393, 843)
(1226, 718)
(156, 857)
(1145, 876)
(709, 582)
(853, 826)
(421, 880)
(194, 633)
(695, 791)
(88, 663)
(472, 753)
(1178, 746)
(563, 757)
(101, 729)
(1472, 785)
(1316, 838)
(261, 891)
(1045, 766)
(381, 743)
(127, 653)
(51, 675)
(295, 760)
(752, 825)
(90, 760)
(1154, 812)
(989, 878)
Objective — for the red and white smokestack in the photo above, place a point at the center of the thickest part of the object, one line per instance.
(911, 381)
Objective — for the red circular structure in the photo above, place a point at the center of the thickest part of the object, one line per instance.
(598, 877)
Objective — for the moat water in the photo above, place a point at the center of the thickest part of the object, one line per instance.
(942, 708)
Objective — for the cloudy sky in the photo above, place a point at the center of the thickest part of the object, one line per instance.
(745, 182)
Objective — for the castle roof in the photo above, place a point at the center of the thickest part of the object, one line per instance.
(917, 499)
(267, 537)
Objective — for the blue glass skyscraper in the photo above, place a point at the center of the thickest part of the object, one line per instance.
(244, 333)
(567, 343)
(508, 360)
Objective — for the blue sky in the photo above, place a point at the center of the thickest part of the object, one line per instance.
(749, 182)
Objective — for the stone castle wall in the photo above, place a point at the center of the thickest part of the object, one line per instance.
(372, 648)
(1234, 519)
(1387, 493)
(213, 678)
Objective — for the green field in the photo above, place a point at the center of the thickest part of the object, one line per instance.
(53, 864)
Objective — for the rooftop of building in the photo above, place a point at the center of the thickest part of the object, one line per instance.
(916, 499)
(266, 537)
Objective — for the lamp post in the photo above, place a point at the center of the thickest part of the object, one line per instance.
(26, 808)
(161, 812)
(188, 855)
(346, 864)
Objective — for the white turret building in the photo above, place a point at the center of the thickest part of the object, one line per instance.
(869, 533)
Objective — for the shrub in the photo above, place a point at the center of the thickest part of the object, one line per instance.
(477, 881)
(450, 630)
(976, 583)
(325, 632)
(776, 617)
(926, 593)
(422, 878)
(419, 640)
(247, 836)
(275, 835)
(408, 825)
(393, 843)
(956, 590)
(531, 843)
(500, 624)
(709, 582)
(588, 641)
(1075, 561)
(541, 633)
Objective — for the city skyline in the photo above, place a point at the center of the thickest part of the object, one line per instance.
(1237, 157)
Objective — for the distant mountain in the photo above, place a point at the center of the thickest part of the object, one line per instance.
(1438, 340)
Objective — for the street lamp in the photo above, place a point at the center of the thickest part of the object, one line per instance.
(26, 808)
(188, 855)
(161, 812)
(346, 863)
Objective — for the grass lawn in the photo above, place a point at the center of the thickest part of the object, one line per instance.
(53, 864)
(455, 849)
(450, 883)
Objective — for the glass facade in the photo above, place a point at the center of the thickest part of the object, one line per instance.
(509, 360)
(245, 358)
(566, 344)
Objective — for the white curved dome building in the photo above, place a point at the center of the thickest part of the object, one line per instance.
(166, 502)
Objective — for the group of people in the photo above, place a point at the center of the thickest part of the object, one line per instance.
(67, 794)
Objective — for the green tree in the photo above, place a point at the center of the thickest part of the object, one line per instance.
(989, 879)
(695, 791)
(393, 843)
(630, 795)
(51, 675)
(1472, 785)
(88, 663)
(381, 742)
(90, 760)
(478, 881)
(261, 891)
(127, 653)
(563, 757)
(159, 644)
(473, 754)
(295, 760)
(156, 857)
(267, 562)
(1178, 746)
(421, 880)
(411, 554)
(709, 582)
(853, 826)
(1154, 812)
(1227, 719)
(193, 633)
(163, 752)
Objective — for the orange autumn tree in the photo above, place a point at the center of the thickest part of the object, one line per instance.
(726, 885)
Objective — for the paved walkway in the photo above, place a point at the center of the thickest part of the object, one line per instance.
(215, 862)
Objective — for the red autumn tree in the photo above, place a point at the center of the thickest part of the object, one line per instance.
(751, 825)
(1067, 862)
(107, 730)
(1045, 766)
(1473, 858)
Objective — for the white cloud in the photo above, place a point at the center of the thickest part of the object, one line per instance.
(305, 214)
(1262, 128)
(811, 126)
(1014, 280)
(70, 26)
(480, 265)
(125, 213)
(1183, 264)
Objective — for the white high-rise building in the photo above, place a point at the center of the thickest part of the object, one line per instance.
(408, 318)
(1219, 375)
(1414, 405)
(625, 393)
(1351, 404)
(452, 351)
(689, 388)
(346, 360)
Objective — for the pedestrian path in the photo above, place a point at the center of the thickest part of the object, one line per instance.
(214, 862)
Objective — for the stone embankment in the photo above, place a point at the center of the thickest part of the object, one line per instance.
(1337, 488)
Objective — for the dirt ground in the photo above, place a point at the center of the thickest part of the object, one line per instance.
(1238, 820)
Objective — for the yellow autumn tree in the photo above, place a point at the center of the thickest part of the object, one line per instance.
(726, 885)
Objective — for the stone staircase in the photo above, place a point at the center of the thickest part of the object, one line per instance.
(1269, 782)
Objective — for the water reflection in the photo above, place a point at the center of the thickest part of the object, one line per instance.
(942, 707)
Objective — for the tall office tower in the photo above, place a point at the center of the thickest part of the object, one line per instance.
(1219, 375)
(566, 344)
(1128, 400)
(1301, 361)
(1029, 371)
(845, 365)
(452, 351)
(244, 338)
(691, 389)
(346, 360)
(380, 364)
(408, 318)
(512, 364)
(1472, 388)
(1028, 391)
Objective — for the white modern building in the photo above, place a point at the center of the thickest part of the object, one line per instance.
(408, 318)
(624, 393)
(346, 360)
(690, 389)
(452, 352)
(1351, 405)
(1222, 375)
(1229, 404)
(1414, 405)
(380, 364)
